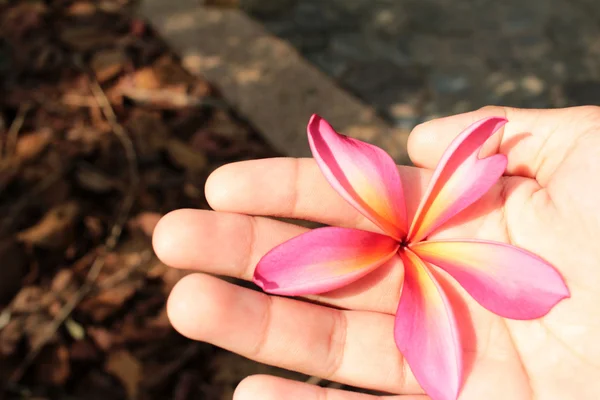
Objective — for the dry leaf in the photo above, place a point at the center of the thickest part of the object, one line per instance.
(37, 330)
(108, 64)
(224, 125)
(81, 9)
(11, 335)
(110, 6)
(185, 156)
(149, 133)
(124, 366)
(83, 38)
(84, 350)
(63, 283)
(55, 229)
(94, 180)
(32, 145)
(53, 366)
(5, 317)
(146, 78)
(161, 321)
(108, 301)
(9, 169)
(165, 98)
(145, 221)
(156, 270)
(102, 337)
(28, 300)
(14, 268)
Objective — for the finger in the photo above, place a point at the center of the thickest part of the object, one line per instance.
(351, 347)
(232, 244)
(535, 141)
(295, 188)
(218, 243)
(266, 387)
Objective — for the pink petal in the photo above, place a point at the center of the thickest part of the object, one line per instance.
(426, 332)
(459, 179)
(322, 260)
(363, 174)
(507, 280)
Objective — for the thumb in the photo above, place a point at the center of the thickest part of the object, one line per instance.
(534, 141)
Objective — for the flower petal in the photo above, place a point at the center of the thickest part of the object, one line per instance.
(426, 332)
(459, 179)
(363, 174)
(507, 280)
(322, 260)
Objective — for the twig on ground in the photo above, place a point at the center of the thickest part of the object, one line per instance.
(171, 368)
(77, 100)
(110, 242)
(121, 275)
(22, 202)
(13, 133)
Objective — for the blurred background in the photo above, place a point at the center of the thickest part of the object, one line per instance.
(108, 121)
(415, 60)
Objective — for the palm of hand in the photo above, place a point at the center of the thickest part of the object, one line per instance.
(555, 215)
(547, 207)
(551, 210)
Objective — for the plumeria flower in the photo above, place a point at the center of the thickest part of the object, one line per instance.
(508, 281)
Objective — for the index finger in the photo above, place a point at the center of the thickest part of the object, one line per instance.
(296, 188)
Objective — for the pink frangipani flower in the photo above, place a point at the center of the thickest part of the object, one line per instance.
(508, 281)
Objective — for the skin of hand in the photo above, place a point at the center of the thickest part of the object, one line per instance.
(548, 202)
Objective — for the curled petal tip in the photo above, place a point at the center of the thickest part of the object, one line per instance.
(314, 118)
(567, 292)
(460, 178)
(509, 281)
(363, 174)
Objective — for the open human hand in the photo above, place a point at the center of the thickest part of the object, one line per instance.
(546, 203)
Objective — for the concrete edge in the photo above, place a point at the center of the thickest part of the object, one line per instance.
(264, 78)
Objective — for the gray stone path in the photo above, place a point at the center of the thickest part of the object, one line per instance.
(417, 59)
(264, 78)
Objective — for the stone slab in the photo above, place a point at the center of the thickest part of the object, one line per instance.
(264, 78)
